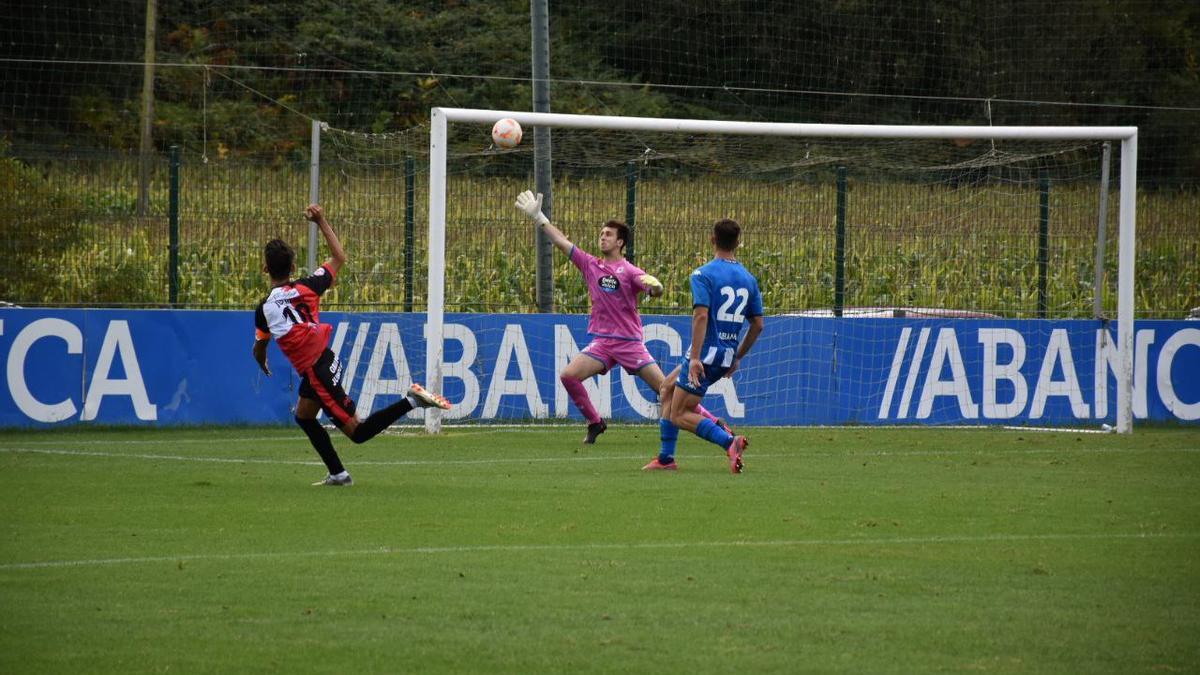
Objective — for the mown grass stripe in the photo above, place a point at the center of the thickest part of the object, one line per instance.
(602, 546)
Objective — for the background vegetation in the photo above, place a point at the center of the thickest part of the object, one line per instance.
(237, 86)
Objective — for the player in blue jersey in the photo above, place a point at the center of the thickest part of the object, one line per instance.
(725, 299)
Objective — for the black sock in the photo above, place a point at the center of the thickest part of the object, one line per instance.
(380, 420)
(320, 440)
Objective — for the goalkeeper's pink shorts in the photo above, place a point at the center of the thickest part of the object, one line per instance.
(629, 354)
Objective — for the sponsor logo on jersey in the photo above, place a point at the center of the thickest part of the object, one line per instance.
(608, 283)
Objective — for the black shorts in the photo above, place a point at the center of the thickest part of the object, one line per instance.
(322, 382)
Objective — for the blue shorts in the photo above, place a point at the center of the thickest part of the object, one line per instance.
(711, 375)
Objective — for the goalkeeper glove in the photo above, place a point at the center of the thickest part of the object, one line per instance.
(532, 207)
(649, 281)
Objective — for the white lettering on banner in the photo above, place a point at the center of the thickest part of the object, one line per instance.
(599, 388)
(461, 369)
(633, 396)
(894, 373)
(1106, 364)
(26, 403)
(1166, 388)
(725, 389)
(1011, 371)
(649, 408)
(513, 344)
(356, 350)
(946, 348)
(118, 339)
(1058, 358)
(1058, 350)
(389, 348)
(387, 344)
(913, 368)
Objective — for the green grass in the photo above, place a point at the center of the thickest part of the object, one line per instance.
(521, 551)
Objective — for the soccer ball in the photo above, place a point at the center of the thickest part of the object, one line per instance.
(506, 133)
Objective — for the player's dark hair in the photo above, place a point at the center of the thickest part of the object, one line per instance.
(279, 258)
(726, 233)
(622, 231)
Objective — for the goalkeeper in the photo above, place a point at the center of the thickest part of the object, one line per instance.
(615, 324)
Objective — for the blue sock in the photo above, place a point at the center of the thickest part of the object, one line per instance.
(709, 431)
(669, 433)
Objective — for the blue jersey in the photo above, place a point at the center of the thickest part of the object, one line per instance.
(731, 295)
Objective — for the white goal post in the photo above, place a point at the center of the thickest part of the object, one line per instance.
(439, 138)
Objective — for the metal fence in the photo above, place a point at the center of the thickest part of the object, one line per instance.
(77, 239)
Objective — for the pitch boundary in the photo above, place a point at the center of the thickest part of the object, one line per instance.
(599, 546)
(578, 458)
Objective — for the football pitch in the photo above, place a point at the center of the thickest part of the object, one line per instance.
(519, 550)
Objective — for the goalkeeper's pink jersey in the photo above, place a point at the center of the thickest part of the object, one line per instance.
(613, 289)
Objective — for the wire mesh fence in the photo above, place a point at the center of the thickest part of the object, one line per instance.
(909, 242)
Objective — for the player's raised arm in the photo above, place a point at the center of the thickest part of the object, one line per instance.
(315, 213)
(532, 207)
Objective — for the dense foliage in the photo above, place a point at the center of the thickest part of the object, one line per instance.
(234, 73)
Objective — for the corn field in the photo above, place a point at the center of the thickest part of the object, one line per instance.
(908, 244)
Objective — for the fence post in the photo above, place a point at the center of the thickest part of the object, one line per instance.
(631, 178)
(839, 256)
(1043, 249)
(173, 222)
(1101, 231)
(314, 192)
(543, 180)
(410, 183)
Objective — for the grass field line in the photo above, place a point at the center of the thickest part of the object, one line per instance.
(315, 462)
(160, 441)
(576, 458)
(411, 433)
(602, 546)
(457, 431)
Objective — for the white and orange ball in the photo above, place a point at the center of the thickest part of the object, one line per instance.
(506, 133)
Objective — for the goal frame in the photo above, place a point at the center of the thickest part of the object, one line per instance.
(440, 118)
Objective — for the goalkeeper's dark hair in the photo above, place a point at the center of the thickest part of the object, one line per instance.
(279, 258)
(726, 233)
(622, 231)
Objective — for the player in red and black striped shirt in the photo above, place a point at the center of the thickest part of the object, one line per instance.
(291, 314)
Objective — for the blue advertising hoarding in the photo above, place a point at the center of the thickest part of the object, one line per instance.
(165, 367)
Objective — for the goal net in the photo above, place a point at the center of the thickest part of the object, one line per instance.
(911, 275)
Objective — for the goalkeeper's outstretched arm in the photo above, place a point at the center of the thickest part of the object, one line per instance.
(532, 207)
